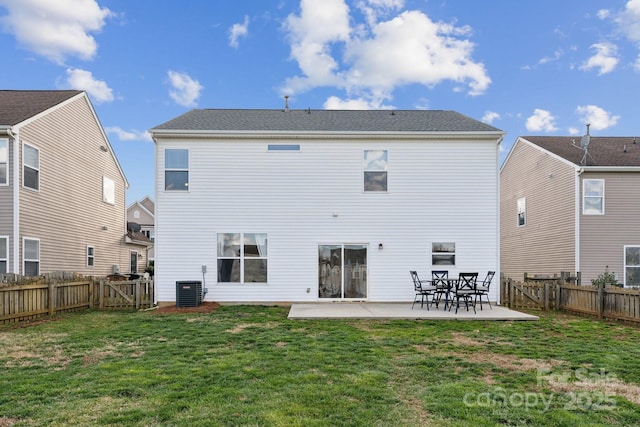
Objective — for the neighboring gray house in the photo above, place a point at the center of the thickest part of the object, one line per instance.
(567, 208)
(142, 212)
(62, 191)
(321, 205)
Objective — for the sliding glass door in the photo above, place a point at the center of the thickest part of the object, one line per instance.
(342, 271)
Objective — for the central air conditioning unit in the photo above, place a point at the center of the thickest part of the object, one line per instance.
(188, 293)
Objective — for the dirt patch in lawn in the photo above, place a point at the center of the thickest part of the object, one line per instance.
(205, 307)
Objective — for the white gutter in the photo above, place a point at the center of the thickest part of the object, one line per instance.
(16, 199)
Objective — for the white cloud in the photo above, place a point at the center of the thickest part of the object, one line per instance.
(556, 55)
(133, 135)
(490, 116)
(604, 13)
(596, 116)
(628, 20)
(573, 131)
(55, 29)
(541, 121)
(184, 90)
(416, 50)
(605, 59)
(83, 80)
(237, 31)
(335, 103)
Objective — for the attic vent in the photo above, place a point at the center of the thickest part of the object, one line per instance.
(286, 103)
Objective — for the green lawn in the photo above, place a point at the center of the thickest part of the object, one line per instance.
(251, 366)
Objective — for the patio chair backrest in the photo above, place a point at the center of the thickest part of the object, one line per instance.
(487, 280)
(437, 277)
(416, 280)
(467, 281)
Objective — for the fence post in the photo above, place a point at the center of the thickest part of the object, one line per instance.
(138, 297)
(546, 296)
(600, 300)
(578, 278)
(558, 290)
(512, 295)
(101, 296)
(52, 299)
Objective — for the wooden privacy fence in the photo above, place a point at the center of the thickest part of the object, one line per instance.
(600, 301)
(29, 300)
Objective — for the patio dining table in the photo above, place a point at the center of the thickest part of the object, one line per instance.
(450, 283)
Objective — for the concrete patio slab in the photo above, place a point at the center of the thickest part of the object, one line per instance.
(372, 310)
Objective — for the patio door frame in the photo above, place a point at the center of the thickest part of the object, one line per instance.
(362, 272)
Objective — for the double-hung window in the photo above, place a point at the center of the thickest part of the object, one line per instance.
(632, 266)
(108, 190)
(242, 258)
(375, 170)
(176, 169)
(443, 253)
(30, 167)
(593, 197)
(4, 254)
(91, 256)
(31, 257)
(4, 161)
(522, 212)
(133, 255)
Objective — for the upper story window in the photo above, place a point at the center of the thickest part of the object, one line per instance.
(108, 191)
(4, 161)
(522, 212)
(375, 170)
(593, 197)
(136, 214)
(31, 257)
(4, 254)
(176, 169)
(30, 167)
(283, 147)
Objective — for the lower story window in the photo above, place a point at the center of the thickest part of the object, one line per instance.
(134, 261)
(443, 253)
(242, 258)
(632, 266)
(31, 257)
(4, 254)
(91, 256)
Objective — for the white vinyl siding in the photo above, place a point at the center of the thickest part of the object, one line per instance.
(302, 199)
(4, 161)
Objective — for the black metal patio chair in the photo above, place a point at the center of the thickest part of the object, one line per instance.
(465, 290)
(482, 289)
(438, 280)
(423, 290)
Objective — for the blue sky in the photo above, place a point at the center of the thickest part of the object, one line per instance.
(544, 67)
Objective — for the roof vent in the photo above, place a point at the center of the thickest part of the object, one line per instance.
(286, 103)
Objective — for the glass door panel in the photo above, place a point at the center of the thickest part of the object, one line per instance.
(355, 271)
(342, 271)
(330, 271)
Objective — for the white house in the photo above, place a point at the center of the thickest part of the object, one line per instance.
(320, 205)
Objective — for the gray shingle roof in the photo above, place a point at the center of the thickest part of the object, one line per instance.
(324, 121)
(18, 105)
(603, 150)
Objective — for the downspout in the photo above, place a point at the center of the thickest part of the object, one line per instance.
(579, 172)
(16, 199)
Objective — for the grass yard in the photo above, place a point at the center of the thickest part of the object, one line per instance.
(251, 366)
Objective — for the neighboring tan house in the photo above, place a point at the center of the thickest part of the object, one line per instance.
(571, 204)
(321, 205)
(142, 213)
(62, 191)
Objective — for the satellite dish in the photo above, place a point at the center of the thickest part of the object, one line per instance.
(584, 142)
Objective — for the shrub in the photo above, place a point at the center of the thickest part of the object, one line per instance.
(606, 279)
